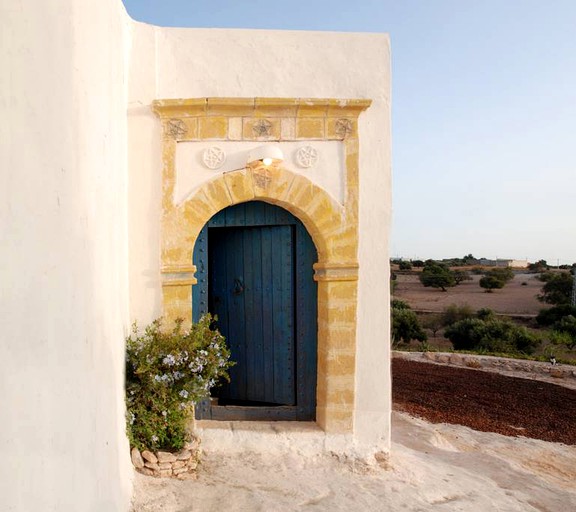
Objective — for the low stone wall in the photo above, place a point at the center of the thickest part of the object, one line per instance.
(562, 374)
(181, 465)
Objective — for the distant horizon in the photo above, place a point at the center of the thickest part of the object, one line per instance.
(554, 263)
(483, 113)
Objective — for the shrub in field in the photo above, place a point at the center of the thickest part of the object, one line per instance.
(399, 304)
(437, 275)
(453, 313)
(554, 314)
(405, 265)
(405, 325)
(557, 287)
(563, 338)
(490, 283)
(496, 278)
(491, 335)
(485, 314)
(461, 275)
(166, 373)
(433, 322)
(565, 332)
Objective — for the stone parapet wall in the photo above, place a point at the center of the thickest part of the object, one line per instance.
(560, 373)
(181, 465)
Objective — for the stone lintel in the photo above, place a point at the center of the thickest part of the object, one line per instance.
(273, 107)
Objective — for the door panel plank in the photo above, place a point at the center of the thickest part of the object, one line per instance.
(307, 324)
(267, 316)
(283, 315)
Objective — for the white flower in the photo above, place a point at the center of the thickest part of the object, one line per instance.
(183, 393)
(169, 360)
(132, 418)
(155, 438)
(157, 378)
(196, 366)
(164, 413)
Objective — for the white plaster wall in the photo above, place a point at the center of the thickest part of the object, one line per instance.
(187, 63)
(63, 256)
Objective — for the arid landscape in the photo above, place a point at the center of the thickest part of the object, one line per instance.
(515, 298)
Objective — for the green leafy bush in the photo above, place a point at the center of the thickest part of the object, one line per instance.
(454, 313)
(496, 278)
(166, 373)
(557, 288)
(437, 275)
(490, 283)
(405, 325)
(554, 314)
(565, 332)
(399, 304)
(485, 314)
(491, 336)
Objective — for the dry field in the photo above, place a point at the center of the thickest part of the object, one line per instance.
(513, 299)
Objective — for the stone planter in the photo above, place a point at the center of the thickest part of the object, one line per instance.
(181, 465)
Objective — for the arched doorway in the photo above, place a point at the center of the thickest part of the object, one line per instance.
(254, 270)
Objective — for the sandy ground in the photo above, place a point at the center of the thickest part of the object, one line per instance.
(514, 298)
(432, 467)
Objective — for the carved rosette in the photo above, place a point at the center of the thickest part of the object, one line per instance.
(176, 128)
(307, 156)
(213, 157)
(344, 127)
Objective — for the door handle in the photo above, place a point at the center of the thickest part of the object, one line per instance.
(238, 286)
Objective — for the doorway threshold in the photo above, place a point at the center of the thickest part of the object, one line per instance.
(278, 437)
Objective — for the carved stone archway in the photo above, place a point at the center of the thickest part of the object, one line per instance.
(333, 226)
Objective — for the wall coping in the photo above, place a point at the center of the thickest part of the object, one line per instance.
(277, 107)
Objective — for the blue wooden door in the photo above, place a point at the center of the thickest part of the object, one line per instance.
(255, 273)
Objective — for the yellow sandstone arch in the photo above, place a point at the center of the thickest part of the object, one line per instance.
(333, 227)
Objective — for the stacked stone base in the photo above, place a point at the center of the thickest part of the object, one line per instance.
(181, 465)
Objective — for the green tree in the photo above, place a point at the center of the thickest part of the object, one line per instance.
(437, 275)
(461, 275)
(496, 278)
(485, 314)
(557, 288)
(399, 304)
(491, 335)
(554, 314)
(432, 322)
(539, 266)
(405, 265)
(490, 283)
(565, 332)
(405, 326)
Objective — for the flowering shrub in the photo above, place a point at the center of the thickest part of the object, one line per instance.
(166, 373)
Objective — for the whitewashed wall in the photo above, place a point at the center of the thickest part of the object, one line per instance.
(185, 63)
(63, 256)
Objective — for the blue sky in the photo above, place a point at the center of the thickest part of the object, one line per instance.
(484, 113)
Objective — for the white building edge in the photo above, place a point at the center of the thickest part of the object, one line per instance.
(80, 181)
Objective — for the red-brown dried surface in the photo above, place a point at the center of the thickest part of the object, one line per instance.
(485, 401)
